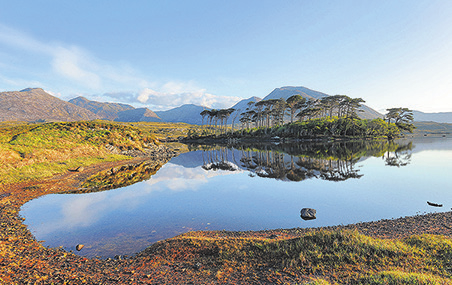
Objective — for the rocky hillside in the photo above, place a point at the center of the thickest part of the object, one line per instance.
(105, 110)
(34, 104)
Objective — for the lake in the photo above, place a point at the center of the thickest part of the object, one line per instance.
(251, 187)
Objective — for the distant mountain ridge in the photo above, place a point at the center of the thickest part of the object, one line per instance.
(137, 115)
(34, 104)
(188, 113)
(287, 91)
(241, 107)
(442, 117)
(105, 110)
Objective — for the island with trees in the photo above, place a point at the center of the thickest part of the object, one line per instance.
(332, 117)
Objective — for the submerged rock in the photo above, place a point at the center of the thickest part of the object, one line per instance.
(308, 214)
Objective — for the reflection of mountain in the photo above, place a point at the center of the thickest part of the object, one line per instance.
(297, 162)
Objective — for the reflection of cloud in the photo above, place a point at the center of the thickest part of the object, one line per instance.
(83, 210)
(178, 178)
(76, 211)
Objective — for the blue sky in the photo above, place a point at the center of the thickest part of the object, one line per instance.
(162, 54)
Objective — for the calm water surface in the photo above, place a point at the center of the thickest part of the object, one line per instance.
(251, 188)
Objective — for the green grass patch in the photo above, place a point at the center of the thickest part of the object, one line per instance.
(33, 151)
(336, 257)
(48, 169)
(403, 278)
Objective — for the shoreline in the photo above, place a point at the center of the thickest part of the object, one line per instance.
(24, 258)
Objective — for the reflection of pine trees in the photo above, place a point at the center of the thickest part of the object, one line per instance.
(298, 162)
(400, 156)
(217, 159)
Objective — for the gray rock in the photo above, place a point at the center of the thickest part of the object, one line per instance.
(308, 214)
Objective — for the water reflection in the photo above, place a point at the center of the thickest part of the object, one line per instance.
(401, 156)
(298, 162)
(246, 187)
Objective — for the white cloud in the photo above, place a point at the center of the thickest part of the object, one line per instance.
(76, 70)
(79, 67)
(53, 93)
(75, 64)
(174, 95)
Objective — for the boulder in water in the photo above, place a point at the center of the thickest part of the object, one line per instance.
(308, 214)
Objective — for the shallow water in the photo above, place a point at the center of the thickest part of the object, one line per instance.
(251, 188)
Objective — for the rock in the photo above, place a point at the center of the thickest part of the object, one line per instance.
(308, 214)
(79, 247)
(79, 169)
(434, 204)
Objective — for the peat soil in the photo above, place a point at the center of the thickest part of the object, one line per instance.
(24, 260)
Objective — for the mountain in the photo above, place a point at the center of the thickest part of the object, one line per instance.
(444, 117)
(287, 91)
(188, 113)
(240, 107)
(429, 127)
(34, 104)
(105, 110)
(137, 115)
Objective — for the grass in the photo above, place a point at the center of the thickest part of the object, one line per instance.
(165, 131)
(339, 256)
(34, 151)
(398, 277)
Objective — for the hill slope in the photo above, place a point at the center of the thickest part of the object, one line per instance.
(432, 128)
(34, 104)
(105, 110)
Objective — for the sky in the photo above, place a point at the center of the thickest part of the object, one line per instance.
(162, 54)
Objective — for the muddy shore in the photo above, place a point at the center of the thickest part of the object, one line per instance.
(24, 260)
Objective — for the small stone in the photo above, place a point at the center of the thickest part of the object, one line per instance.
(79, 247)
(79, 169)
(308, 214)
